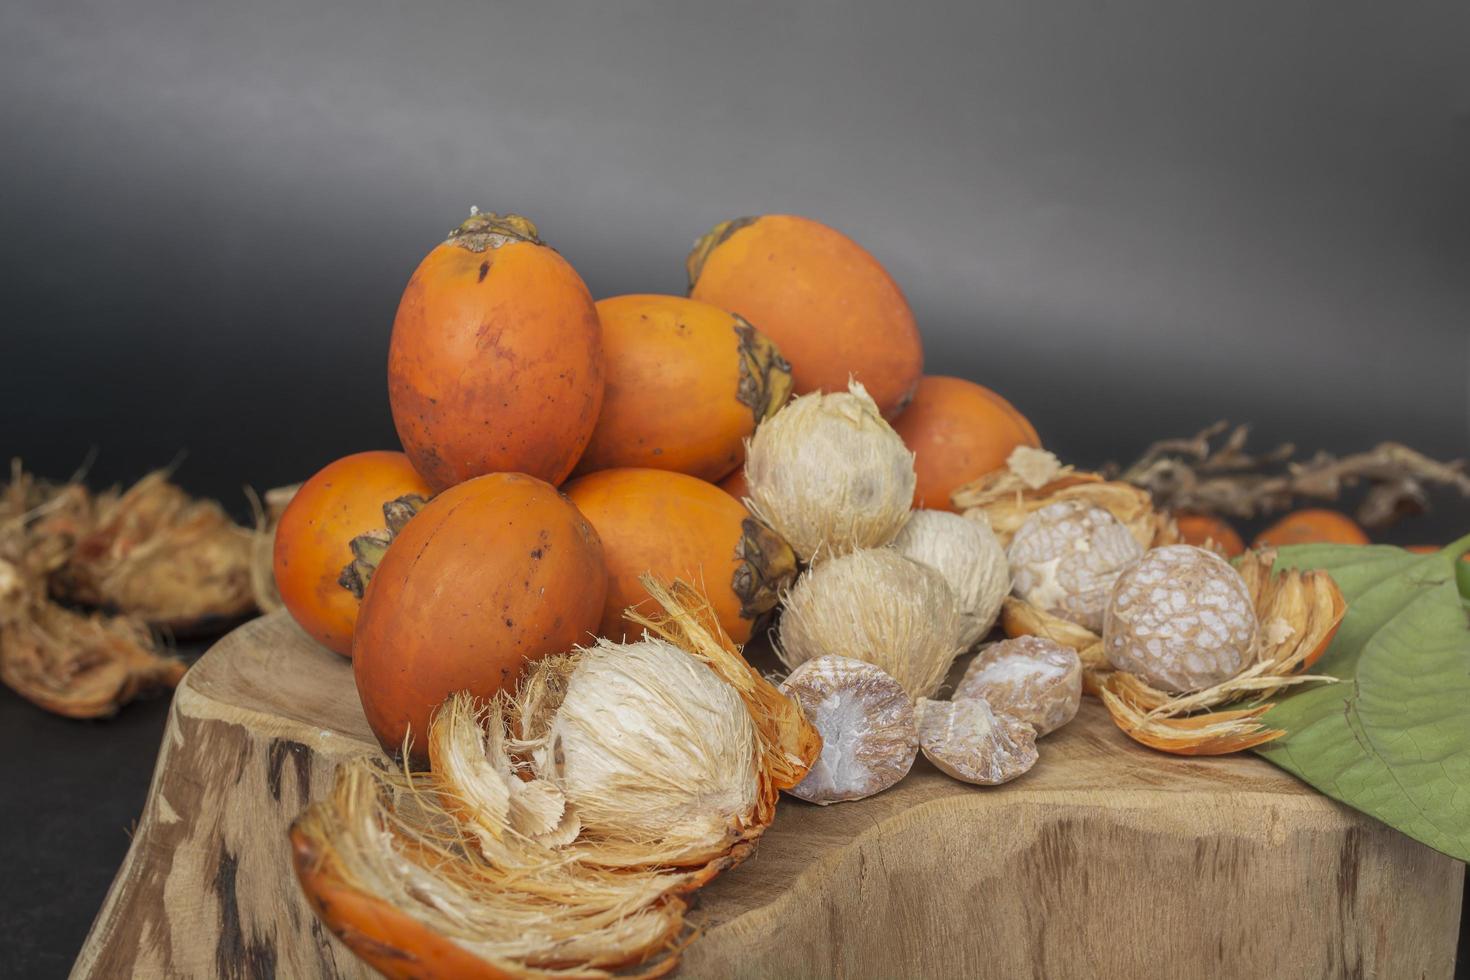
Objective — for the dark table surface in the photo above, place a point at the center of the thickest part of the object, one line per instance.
(75, 789)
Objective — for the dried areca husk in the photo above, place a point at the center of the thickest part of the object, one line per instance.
(1008, 496)
(829, 474)
(969, 557)
(560, 827)
(1299, 613)
(877, 606)
(268, 511)
(159, 554)
(869, 740)
(1066, 556)
(71, 664)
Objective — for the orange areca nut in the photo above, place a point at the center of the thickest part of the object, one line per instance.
(832, 309)
(332, 534)
(495, 363)
(483, 868)
(958, 431)
(490, 575)
(1207, 531)
(1315, 525)
(687, 383)
(676, 526)
(735, 484)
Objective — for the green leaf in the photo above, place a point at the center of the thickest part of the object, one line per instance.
(1393, 739)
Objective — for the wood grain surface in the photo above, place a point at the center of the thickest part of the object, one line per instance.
(1107, 860)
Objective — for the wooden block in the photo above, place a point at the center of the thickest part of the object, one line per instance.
(1107, 860)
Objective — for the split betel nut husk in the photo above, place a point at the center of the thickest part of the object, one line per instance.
(561, 828)
(1296, 613)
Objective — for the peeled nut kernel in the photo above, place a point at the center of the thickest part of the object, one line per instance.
(1065, 558)
(1029, 678)
(969, 557)
(969, 741)
(1181, 619)
(869, 741)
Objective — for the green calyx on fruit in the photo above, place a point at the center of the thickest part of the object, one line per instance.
(767, 567)
(368, 548)
(704, 246)
(765, 376)
(481, 231)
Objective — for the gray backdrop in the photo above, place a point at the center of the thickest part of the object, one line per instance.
(1130, 219)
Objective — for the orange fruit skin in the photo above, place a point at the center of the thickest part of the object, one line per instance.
(492, 574)
(667, 524)
(1429, 549)
(313, 539)
(958, 431)
(1315, 525)
(1196, 529)
(390, 941)
(831, 308)
(495, 364)
(673, 380)
(735, 484)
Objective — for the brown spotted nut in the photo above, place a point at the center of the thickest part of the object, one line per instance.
(866, 721)
(1181, 619)
(1067, 556)
(1030, 678)
(972, 743)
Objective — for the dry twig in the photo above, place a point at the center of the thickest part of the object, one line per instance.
(1200, 476)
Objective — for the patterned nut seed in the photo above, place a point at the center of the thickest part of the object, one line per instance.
(968, 555)
(1067, 556)
(1030, 678)
(866, 721)
(969, 741)
(1182, 619)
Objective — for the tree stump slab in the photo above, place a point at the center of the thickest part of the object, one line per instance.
(1106, 860)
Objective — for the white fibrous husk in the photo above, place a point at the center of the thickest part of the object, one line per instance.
(560, 828)
(1030, 678)
(971, 742)
(829, 474)
(968, 555)
(877, 606)
(866, 720)
(649, 743)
